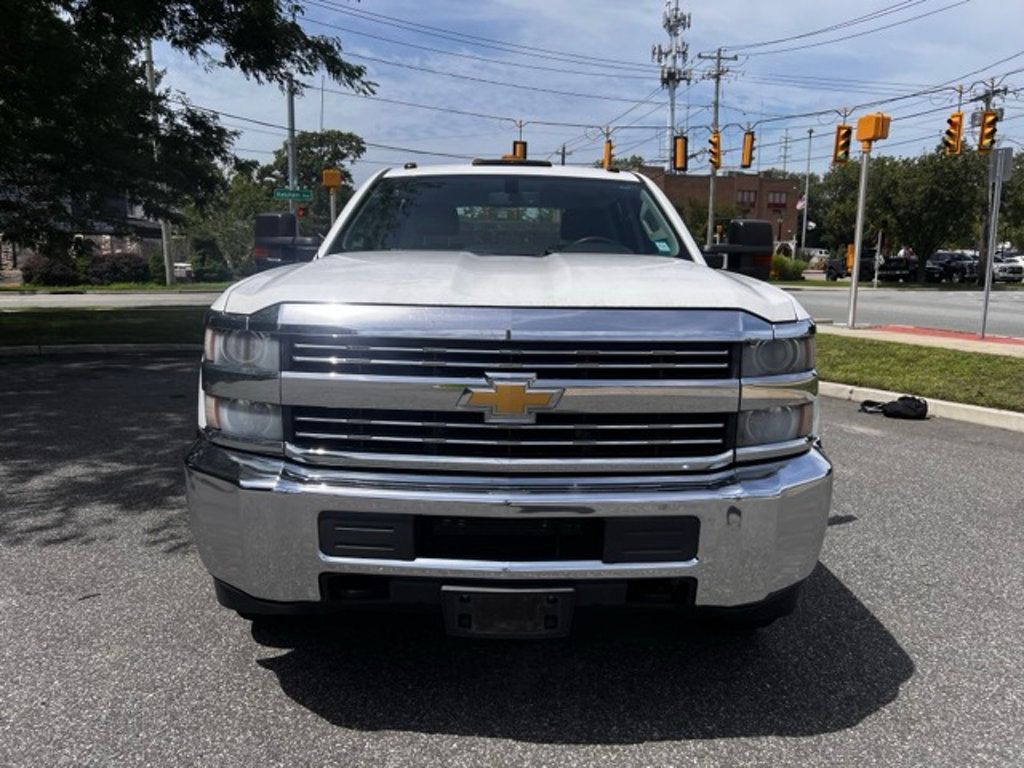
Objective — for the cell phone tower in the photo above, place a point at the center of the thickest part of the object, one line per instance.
(672, 60)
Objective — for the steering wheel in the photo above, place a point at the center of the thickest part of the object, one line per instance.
(592, 239)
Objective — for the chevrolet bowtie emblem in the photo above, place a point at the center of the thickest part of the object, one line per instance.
(510, 398)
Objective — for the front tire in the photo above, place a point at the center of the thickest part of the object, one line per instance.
(750, 618)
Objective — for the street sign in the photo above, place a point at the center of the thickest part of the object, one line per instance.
(1000, 164)
(299, 195)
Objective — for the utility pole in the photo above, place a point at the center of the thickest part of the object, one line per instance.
(807, 193)
(293, 182)
(672, 60)
(562, 152)
(987, 97)
(716, 74)
(165, 228)
(784, 152)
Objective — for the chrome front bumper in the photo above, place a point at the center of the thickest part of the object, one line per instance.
(254, 520)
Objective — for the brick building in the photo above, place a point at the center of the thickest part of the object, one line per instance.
(751, 195)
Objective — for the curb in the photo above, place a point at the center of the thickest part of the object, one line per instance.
(944, 409)
(34, 350)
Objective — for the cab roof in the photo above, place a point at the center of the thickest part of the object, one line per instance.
(511, 168)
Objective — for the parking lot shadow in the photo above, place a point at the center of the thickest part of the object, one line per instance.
(621, 678)
(90, 443)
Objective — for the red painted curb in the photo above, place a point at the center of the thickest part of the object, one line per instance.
(942, 333)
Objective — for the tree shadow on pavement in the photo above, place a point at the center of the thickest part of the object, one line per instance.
(87, 443)
(621, 678)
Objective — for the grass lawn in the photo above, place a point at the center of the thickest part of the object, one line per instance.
(132, 287)
(995, 381)
(159, 325)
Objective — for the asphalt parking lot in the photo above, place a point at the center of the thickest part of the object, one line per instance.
(907, 649)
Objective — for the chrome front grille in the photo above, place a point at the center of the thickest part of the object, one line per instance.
(446, 358)
(554, 436)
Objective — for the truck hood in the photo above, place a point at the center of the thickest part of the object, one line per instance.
(446, 278)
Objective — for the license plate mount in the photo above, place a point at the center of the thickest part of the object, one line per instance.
(507, 613)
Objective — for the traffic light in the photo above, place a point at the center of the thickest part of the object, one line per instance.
(715, 150)
(987, 132)
(679, 159)
(301, 211)
(747, 156)
(606, 162)
(953, 138)
(519, 150)
(841, 149)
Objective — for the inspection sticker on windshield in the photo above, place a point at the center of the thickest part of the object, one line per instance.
(662, 246)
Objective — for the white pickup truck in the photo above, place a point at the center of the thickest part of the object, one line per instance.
(508, 391)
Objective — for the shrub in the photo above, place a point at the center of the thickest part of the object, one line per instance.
(46, 270)
(117, 267)
(785, 268)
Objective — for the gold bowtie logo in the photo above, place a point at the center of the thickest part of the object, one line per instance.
(510, 399)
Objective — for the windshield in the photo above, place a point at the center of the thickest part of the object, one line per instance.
(509, 215)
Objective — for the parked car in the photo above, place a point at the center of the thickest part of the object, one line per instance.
(1007, 269)
(891, 269)
(502, 391)
(950, 266)
(1013, 257)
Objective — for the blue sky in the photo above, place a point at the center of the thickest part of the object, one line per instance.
(610, 72)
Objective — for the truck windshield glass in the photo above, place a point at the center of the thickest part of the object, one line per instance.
(509, 215)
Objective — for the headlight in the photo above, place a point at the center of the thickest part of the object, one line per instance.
(244, 419)
(778, 356)
(241, 350)
(776, 425)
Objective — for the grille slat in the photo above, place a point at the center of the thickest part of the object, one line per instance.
(465, 433)
(440, 358)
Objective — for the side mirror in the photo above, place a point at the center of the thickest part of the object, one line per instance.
(717, 260)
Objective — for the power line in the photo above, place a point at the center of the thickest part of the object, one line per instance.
(486, 81)
(898, 7)
(484, 42)
(469, 56)
(871, 31)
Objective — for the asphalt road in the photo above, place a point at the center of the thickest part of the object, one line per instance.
(907, 648)
(952, 310)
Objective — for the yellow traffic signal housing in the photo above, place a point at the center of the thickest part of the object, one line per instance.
(519, 150)
(680, 161)
(987, 132)
(873, 127)
(953, 138)
(841, 150)
(715, 150)
(607, 161)
(747, 156)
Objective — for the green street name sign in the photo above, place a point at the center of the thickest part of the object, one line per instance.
(302, 195)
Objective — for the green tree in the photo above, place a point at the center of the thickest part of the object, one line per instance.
(315, 151)
(79, 125)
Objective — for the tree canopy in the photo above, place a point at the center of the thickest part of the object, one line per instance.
(80, 128)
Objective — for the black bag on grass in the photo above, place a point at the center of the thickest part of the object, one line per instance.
(906, 407)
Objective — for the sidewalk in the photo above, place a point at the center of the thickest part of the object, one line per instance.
(963, 341)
